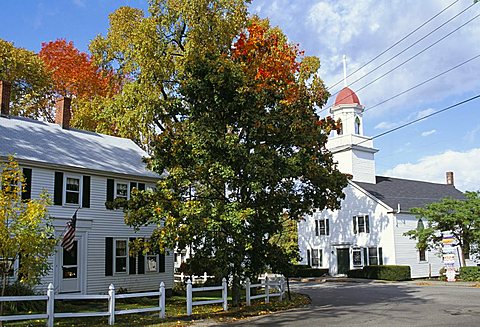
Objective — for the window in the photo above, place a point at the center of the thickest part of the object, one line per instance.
(339, 127)
(120, 256)
(357, 125)
(121, 190)
(357, 257)
(72, 190)
(361, 224)
(317, 258)
(422, 255)
(375, 256)
(322, 227)
(152, 262)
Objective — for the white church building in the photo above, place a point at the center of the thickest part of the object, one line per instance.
(369, 227)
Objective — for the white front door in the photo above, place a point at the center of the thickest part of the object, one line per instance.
(70, 269)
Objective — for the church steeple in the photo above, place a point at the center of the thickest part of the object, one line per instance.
(352, 150)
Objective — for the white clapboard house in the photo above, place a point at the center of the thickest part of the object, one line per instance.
(84, 170)
(370, 225)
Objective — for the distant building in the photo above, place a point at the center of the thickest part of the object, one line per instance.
(368, 228)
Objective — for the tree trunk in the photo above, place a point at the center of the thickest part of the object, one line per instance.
(288, 289)
(236, 290)
(4, 286)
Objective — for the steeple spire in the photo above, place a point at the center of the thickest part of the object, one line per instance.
(345, 71)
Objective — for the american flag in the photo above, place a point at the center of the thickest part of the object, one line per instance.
(69, 235)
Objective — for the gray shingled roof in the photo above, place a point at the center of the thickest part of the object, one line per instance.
(50, 144)
(408, 193)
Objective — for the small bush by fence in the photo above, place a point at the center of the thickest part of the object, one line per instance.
(387, 272)
(470, 274)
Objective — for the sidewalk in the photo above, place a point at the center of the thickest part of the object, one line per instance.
(417, 282)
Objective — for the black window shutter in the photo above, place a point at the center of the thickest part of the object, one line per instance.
(108, 256)
(327, 226)
(141, 264)
(110, 186)
(354, 225)
(132, 186)
(141, 186)
(367, 224)
(308, 257)
(161, 265)
(316, 227)
(380, 256)
(365, 256)
(132, 261)
(58, 189)
(27, 175)
(86, 192)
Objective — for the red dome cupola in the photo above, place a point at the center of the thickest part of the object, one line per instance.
(346, 96)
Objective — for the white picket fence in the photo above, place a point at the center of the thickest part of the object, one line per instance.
(277, 286)
(50, 315)
(181, 278)
(191, 289)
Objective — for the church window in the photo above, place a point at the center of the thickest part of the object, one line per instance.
(339, 127)
(357, 125)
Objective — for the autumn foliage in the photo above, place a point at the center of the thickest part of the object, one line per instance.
(74, 73)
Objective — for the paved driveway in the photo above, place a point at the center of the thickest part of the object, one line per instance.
(379, 304)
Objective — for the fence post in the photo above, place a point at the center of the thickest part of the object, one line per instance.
(224, 294)
(182, 277)
(189, 297)
(161, 300)
(205, 277)
(282, 287)
(247, 291)
(111, 304)
(50, 305)
(267, 290)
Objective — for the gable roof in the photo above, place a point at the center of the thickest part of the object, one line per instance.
(409, 193)
(48, 143)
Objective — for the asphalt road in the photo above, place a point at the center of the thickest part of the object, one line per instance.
(379, 304)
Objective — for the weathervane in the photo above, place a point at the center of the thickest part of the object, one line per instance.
(344, 70)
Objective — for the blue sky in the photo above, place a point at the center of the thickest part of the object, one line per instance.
(329, 29)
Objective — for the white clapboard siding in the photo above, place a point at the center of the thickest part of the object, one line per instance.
(407, 252)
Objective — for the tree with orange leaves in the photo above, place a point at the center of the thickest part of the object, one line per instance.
(74, 73)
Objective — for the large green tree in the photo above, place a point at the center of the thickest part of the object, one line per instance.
(461, 217)
(236, 137)
(25, 230)
(31, 82)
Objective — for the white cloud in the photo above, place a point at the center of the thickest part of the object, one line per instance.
(385, 125)
(427, 133)
(433, 168)
(424, 113)
(471, 135)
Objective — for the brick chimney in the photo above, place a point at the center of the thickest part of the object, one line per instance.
(62, 112)
(450, 178)
(5, 88)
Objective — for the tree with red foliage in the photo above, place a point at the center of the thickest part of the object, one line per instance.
(74, 73)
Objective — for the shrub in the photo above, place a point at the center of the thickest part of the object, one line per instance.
(470, 274)
(388, 272)
(307, 271)
(20, 289)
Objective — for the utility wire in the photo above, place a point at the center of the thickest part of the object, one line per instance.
(411, 45)
(421, 118)
(424, 82)
(396, 43)
(412, 57)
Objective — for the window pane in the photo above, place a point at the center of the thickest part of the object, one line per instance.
(372, 256)
(152, 263)
(121, 248)
(70, 257)
(357, 257)
(361, 224)
(316, 258)
(322, 227)
(71, 197)
(121, 265)
(73, 184)
(69, 272)
(122, 190)
(422, 255)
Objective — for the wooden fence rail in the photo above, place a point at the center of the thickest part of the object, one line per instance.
(277, 286)
(50, 315)
(191, 289)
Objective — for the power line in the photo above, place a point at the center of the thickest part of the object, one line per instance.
(424, 82)
(421, 118)
(396, 43)
(414, 56)
(412, 45)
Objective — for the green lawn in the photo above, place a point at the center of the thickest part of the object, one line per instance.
(175, 311)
